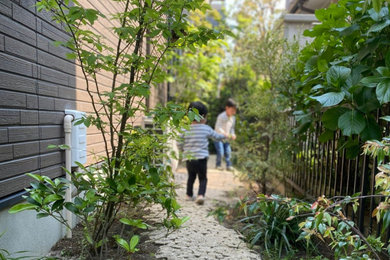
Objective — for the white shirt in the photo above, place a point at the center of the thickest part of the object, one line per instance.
(225, 124)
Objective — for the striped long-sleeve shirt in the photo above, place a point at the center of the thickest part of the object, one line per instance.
(195, 141)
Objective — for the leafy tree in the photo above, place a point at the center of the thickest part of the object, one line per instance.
(197, 72)
(130, 172)
(261, 61)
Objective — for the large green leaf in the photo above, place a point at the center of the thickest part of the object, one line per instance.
(352, 122)
(352, 149)
(371, 81)
(134, 242)
(372, 131)
(326, 136)
(330, 99)
(383, 91)
(386, 118)
(322, 65)
(377, 4)
(384, 71)
(337, 75)
(377, 16)
(365, 99)
(379, 26)
(330, 118)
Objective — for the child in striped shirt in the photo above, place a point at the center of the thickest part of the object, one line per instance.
(195, 146)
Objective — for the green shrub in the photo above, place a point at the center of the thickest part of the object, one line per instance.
(273, 223)
(342, 77)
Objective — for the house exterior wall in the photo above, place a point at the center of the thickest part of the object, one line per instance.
(37, 83)
(300, 17)
(296, 24)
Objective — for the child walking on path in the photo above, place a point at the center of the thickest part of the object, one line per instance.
(195, 146)
(225, 125)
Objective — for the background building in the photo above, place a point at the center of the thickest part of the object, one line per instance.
(300, 16)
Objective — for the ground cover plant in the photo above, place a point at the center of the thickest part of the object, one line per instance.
(287, 228)
(130, 173)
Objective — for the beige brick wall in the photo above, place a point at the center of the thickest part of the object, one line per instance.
(103, 27)
(37, 83)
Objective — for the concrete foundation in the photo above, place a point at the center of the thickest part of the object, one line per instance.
(24, 232)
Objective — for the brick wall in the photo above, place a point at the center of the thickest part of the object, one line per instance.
(37, 83)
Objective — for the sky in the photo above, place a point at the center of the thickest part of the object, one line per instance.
(230, 6)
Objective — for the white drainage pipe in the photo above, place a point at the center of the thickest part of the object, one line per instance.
(68, 166)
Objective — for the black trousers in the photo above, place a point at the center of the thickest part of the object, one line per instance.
(197, 167)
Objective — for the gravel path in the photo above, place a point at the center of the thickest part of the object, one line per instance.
(202, 237)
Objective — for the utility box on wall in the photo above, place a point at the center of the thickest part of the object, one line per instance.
(79, 138)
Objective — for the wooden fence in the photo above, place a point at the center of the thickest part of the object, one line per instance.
(323, 168)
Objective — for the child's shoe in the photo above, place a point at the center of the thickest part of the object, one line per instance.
(199, 200)
(189, 198)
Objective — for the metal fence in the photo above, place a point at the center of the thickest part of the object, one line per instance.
(324, 169)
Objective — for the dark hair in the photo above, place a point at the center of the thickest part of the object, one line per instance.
(231, 103)
(202, 109)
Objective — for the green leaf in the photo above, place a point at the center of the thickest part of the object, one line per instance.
(322, 65)
(330, 99)
(21, 207)
(42, 215)
(154, 174)
(337, 75)
(51, 198)
(378, 16)
(134, 222)
(365, 99)
(134, 242)
(372, 131)
(71, 207)
(379, 26)
(322, 228)
(352, 122)
(328, 218)
(122, 243)
(371, 81)
(185, 219)
(330, 118)
(91, 15)
(35, 176)
(384, 71)
(386, 220)
(71, 55)
(326, 136)
(386, 118)
(383, 91)
(58, 205)
(377, 4)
